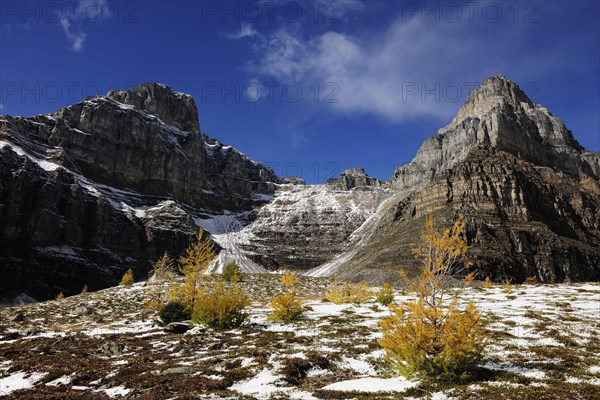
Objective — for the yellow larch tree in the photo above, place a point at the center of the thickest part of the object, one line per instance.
(193, 264)
(162, 275)
(432, 335)
(127, 279)
(287, 306)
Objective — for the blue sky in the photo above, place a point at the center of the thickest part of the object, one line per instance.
(308, 87)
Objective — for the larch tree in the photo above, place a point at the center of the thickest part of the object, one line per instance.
(162, 275)
(193, 264)
(127, 279)
(287, 306)
(431, 335)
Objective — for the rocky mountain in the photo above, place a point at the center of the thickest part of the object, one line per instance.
(113, 181)
(530, 193)
(529, 190)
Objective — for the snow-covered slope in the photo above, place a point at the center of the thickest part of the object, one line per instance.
(542, 344)
(302, 227)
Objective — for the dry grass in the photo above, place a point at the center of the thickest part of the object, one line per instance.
(107, 339)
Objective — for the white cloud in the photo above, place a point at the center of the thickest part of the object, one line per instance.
(371, 75)
(299, 139)
(246, 30)
(76, 39)
(283, 55)
(408, 69)
(87, 11)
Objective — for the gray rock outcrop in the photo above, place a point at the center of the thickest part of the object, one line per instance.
(173, 108)
(306, 226)
(498, 115)
(111, 183)
(355, 178)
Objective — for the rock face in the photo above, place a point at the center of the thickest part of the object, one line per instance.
(529, 191)
(498, 115)
(111, 183)
(173, 108)
(355, 178)
(301, 228)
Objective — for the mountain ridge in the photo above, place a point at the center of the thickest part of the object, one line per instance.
(71, 178)
(135, 162)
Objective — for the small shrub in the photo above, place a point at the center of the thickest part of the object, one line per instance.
(356, 293)
(127, 279)
(193, 263)
(531, 280)
(428, 337)
(220, 306)
(84, 289)
(289, 280)
(385, 295)
(232, 272)
(174, 311)
(335, 294)
(487, 284)
(60, 296)
(507, 285)
(162, 274)
(286, 307)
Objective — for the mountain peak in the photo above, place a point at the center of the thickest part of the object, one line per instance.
(498, 115)
(494, 93)
(499, 86)
(174, 108)
(355, 178)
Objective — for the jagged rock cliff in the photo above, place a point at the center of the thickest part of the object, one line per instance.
(354, 178)
(110, 183)
(498, 115)
(529, 190)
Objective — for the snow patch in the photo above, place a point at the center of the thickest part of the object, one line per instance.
(262, 384)
(594, 369)
(220, 224)
(117, 391)
(19, 381)
(530, 373)
(373, 385)
(43, 164)
(361, 367)
(63, 380)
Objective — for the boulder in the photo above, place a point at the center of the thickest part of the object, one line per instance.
(177, 327)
